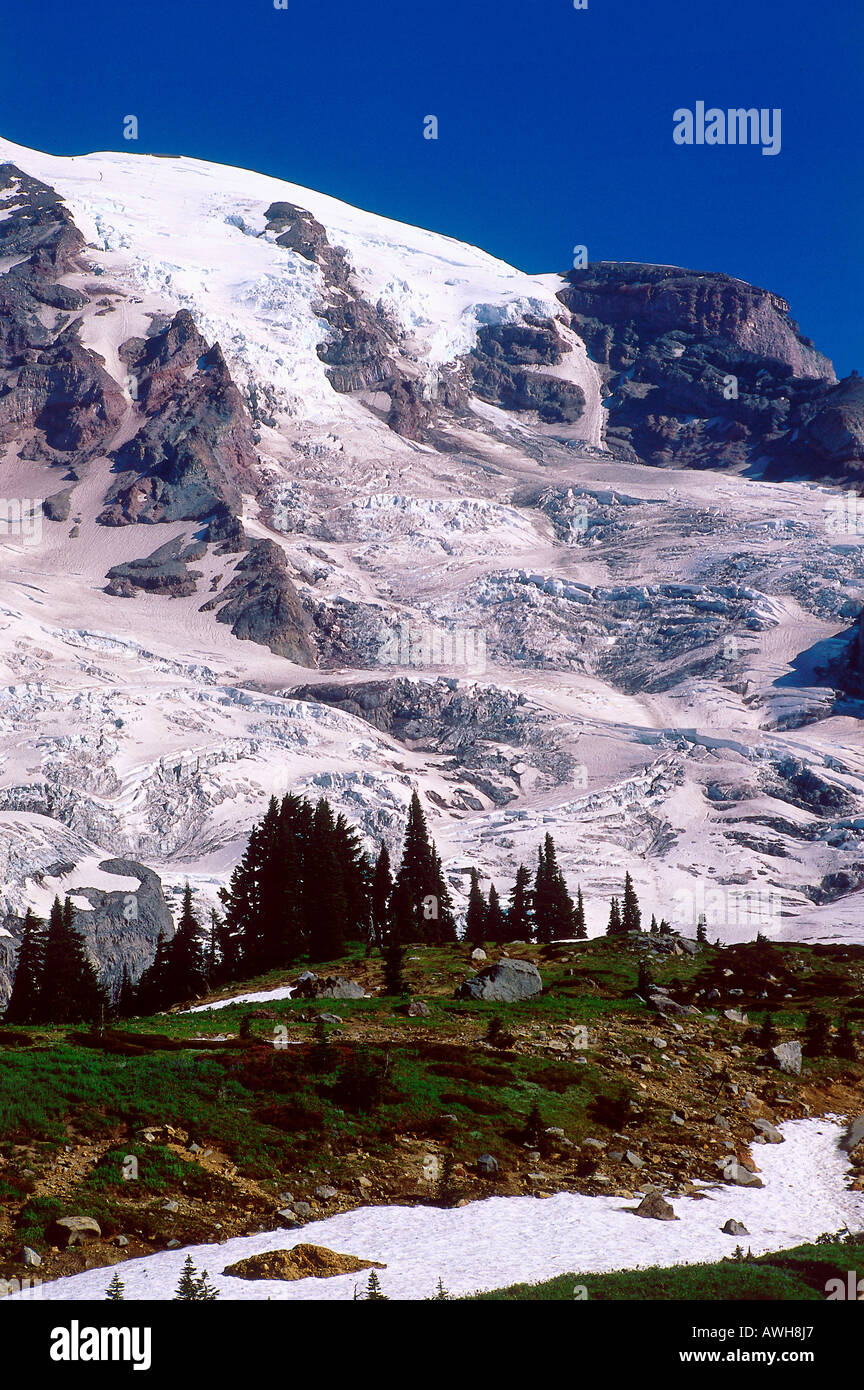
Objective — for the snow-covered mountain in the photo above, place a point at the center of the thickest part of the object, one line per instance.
(300, 497)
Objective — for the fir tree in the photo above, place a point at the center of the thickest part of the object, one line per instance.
(420, 877)
(24, 1001)
(125, 1003)
(440, 1295)
(394, 963)
(631, 915)
(613, 927)
(817, 1034)
(186, 1288)
(654, 927)
(496, 922)
(701, 927)
(152, 992)
(70, 992)
(116, 1290)
(580, 930)
(475, 921)
(844, 1043)
(643, 979)
(535, 1126)
(382, 888)
(373, 1290)
(184, 975)
(553, 906)
(520, 926)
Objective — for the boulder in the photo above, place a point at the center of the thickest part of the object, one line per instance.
(75, 1230)
(656, 1207)
(734, 1228)
(311, 986)
(767, 1130)
(416, 1008)
(505, 982)
(786, 1057)
(479, 955)
(740, 1176)
(487, 1165)
(854, 1135)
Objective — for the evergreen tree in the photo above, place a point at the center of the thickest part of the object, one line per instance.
(373, 1290)
(496, 921)
(394, 963)
(116, 1290)
(654, 927)
(817, 1034)
(631, 915)
(420, 877)
(520, 926)
(441, 1295)
(535, 1126)
(186, 1288)
(767, 1033)
(152, 993)
(844, 1043)
(475, 921)
(325, 906)
(126, 1002)
(614, 927)
(553, 906)
(382, 888)
(580, 930)
(643, 979)
(184, 975)
(323, 1056)
(701, 927)
(70, 991)
(24, 1001)
(211, 949)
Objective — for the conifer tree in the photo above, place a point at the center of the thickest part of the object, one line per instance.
(553, 906)
(475, 921)
(184, 976)
(126, 1001)
(185, 1292)
(520, 926)
(496, 922)
(373, 1290)
(325, 902)
(394, 962)
(701, 927)
(654, 927)
(152, 992)
(419, 878)
(767, 1033)
(844, 1043)
(116, 1290)
(24, 1001)
(631, 915)
(613, 927)
(817, 1034)
(382, 888)
(580, 930)
(70, 990)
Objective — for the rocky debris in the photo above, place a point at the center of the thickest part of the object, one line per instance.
(193, 456)
(301, 1262)
(507, 981)
(786, 1057)
(262, 605)
(164, 571)
(311, 986)
(655, 1206)
(74, 1230)
(734, 1228)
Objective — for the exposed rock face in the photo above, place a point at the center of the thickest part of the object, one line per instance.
(75, 1230)
(165, 571)
(120, 927)
(262, 605)
(311, 986)
(499, 369)
(706, 371)
(48, 381)
(507, 981)
(195, 453)
(160, 365)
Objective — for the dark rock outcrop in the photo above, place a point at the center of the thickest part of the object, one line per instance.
(262, 605)
(194, 455)
(499, 363)
(165, 571)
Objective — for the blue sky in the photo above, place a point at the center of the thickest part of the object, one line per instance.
(555, 125)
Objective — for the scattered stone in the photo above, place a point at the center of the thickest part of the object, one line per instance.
(170, 1205)
(487, 1165)
(656, 1207)
(634, 1160)
(326, 1194)
(479, 955)
(740, 1176)
(767, 1131)
(31, 1257)
(303, 1210)
(173, 1244)
(854, 1135)
(505, 982)
(734, 1228)
(121, 1242)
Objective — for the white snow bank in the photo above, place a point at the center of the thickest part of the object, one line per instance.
(260, 998)
(506, 1240)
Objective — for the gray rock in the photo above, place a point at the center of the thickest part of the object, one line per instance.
(170, 1205)
(478, 955)
(31, 1257)
(121, 1242)
(854, 1135)
(634, 1160)
(740, 1176)
(593, 1143)
(75, 1230)
(173, 1244)
(505, 982)
(288, 1215)
(735, 1016)
(734, 1228)
(326, 1194)
(303, 1210)
(330, 987)
(786, 1057)
(487, 1165)
(767, 1131)
(330, 1018)
(656, 1207)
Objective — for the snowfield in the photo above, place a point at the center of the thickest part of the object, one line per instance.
(506, 1240)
